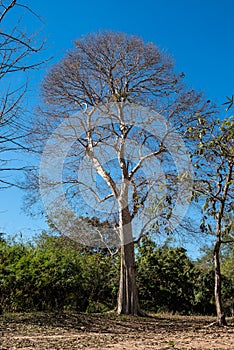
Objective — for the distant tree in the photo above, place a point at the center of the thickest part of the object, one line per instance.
(55, 273)
(166, 278)
(227, 271)
(228, 262)
(204, 284)
(105, 90)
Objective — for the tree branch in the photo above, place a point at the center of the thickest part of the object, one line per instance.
(12, 4)
(150, 155)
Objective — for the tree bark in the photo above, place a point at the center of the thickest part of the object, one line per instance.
(221, 321)
(128, 302)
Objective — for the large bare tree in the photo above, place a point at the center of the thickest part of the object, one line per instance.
(114, 106)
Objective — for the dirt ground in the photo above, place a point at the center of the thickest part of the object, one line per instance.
(70, 331)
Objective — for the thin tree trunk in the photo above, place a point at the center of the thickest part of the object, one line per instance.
(221, 321)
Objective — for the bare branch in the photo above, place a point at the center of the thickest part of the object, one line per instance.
(17, 52)
(148, 156)
(7, 9)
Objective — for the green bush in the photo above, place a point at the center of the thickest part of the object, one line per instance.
(165, 278)
(54, 274)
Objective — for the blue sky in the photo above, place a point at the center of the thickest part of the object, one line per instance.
(198, 34)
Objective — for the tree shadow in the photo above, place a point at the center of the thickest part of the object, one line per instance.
(105, 322)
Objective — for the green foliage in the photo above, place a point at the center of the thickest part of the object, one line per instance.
(213, 187)
(213, 182)
(204, 284)
(169, 281)
(228, 278)
(228, 262)
(204, 291)
(165, 277)
(55, 273)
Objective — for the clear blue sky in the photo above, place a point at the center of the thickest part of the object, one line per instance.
(198, 34)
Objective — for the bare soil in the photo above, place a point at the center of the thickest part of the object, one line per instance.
(70, 331)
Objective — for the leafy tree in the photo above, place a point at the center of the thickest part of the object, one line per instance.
(166, 278)
(215, 184)
(205, 282)
(111, 82)
(227, 273)
(204, 303)
(228, 262)
(53, 273)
